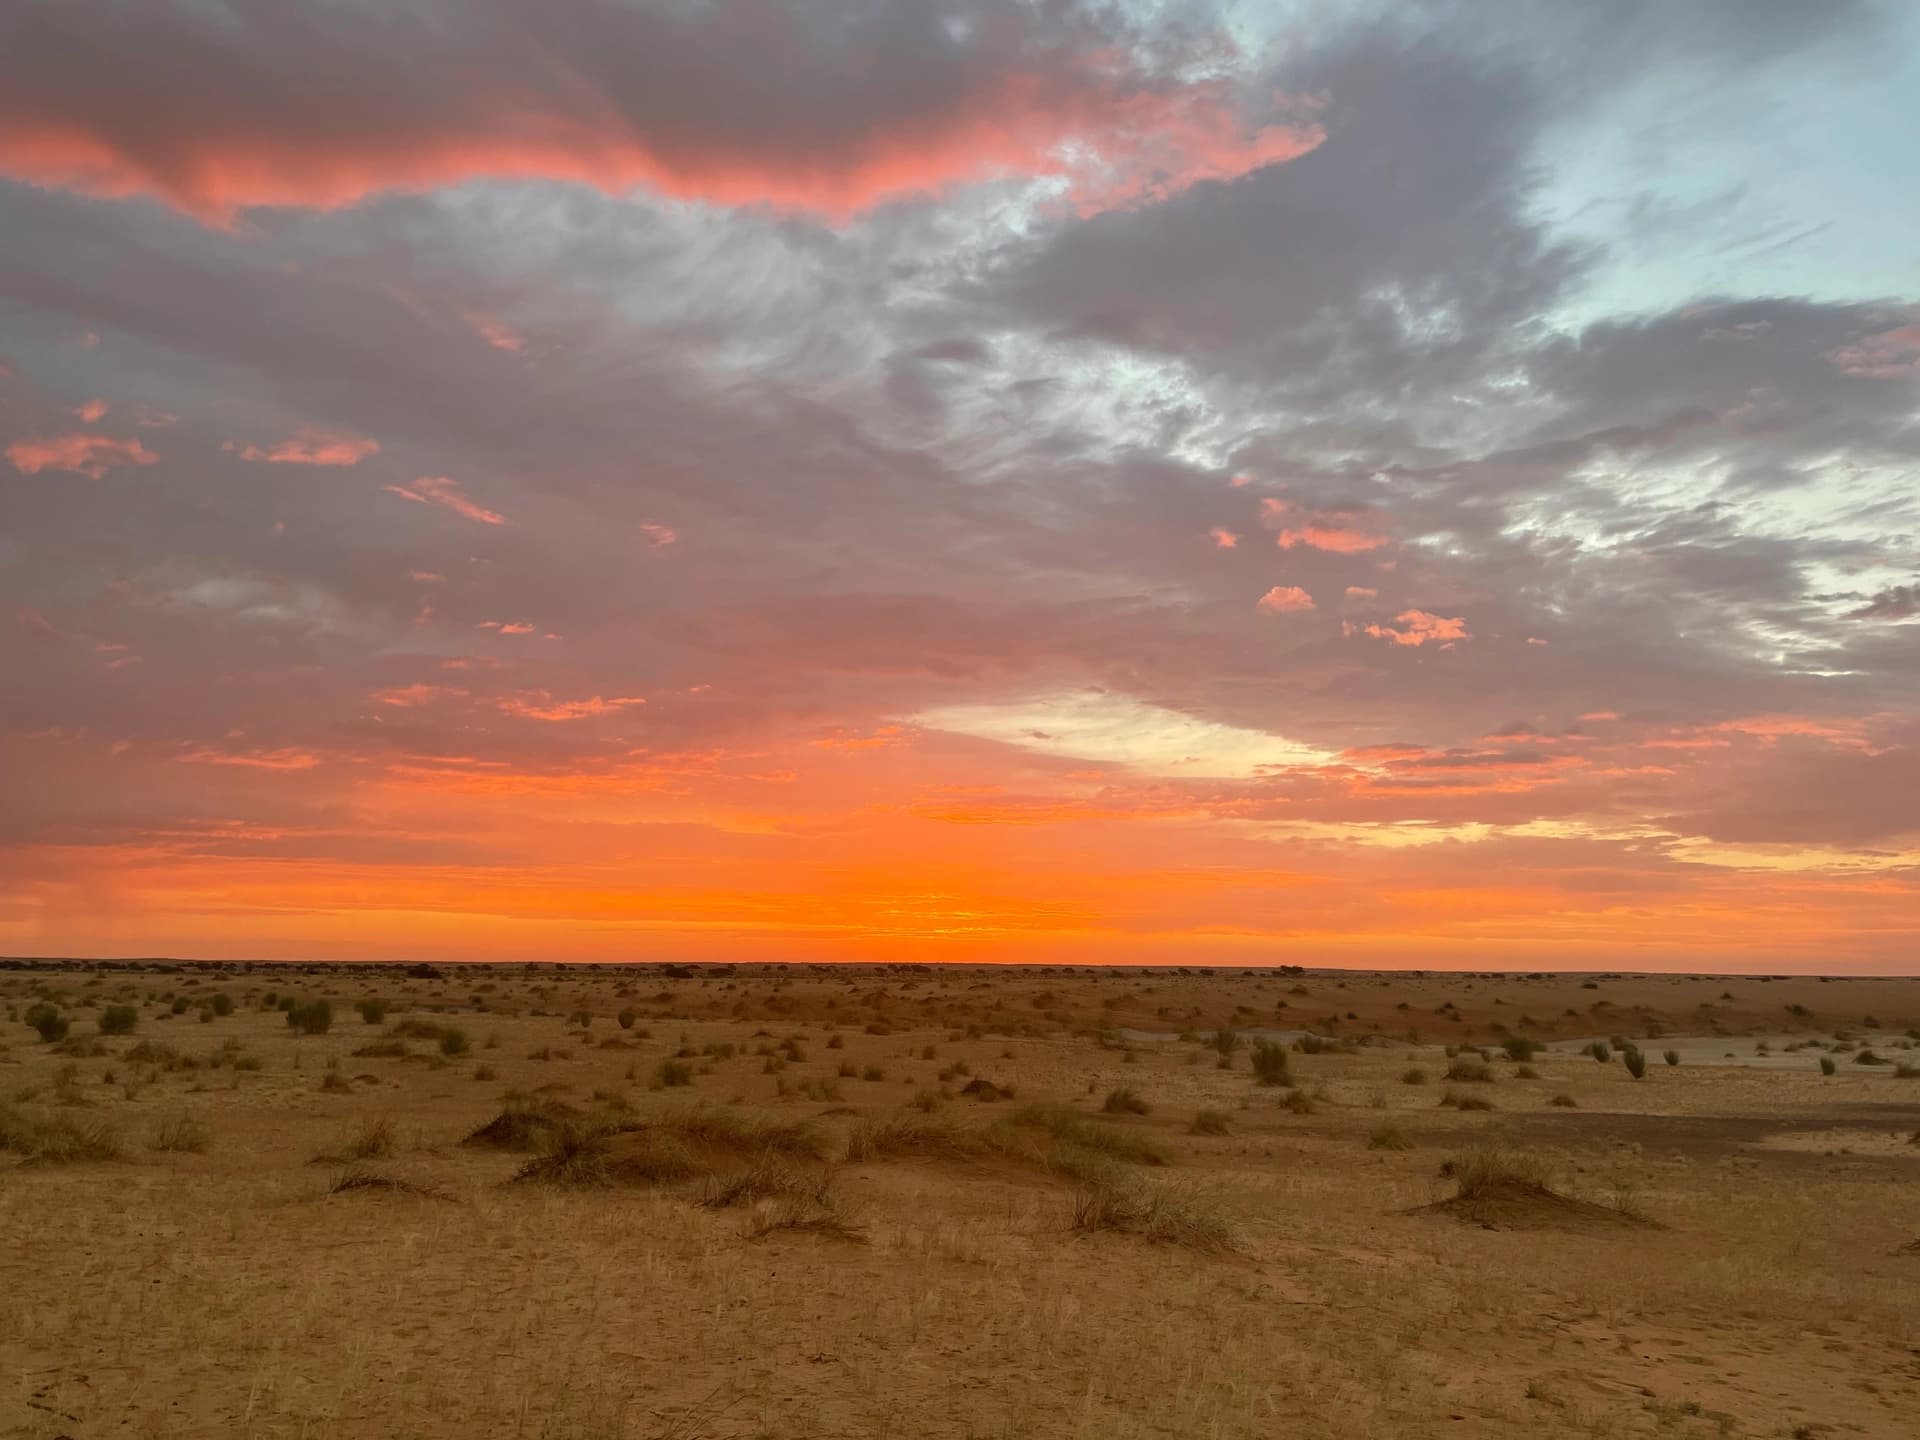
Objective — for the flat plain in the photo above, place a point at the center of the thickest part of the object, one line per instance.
(786, 1201)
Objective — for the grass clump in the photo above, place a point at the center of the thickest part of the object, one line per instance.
(56, 1138)
(1160, 1213)
(118, 1020)
(1470, 1071)
(1123, 1101)
(181, 1134)
(672, 1074)
(1413, 1075)
(311, 1017)
(374, 1012)
(1461, 1100)
(1388, 1137)
(1210, 1122)
(1270, 1063)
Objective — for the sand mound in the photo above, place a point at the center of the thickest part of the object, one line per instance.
(525, 1126)
(1529, 1205)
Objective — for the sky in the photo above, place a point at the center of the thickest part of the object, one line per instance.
(1428, 484)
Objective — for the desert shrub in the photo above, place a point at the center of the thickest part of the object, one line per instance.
(1519, 1047)
(186, 1134)
(673, 1073)
(374, 1138)
(1476, 1072)
(48, 1021)
(1672, 1057)
(1388, 1137)
(374, 1012)
(1867, 1057)
(56, 1138)
(1210, 1122)
(1123, 1101)
(311, 1017)
(1635, 1060)
(873, 1072)
(334, 1083)
(1525, 1072)
(1225, 1042)
(1270, 1063)
(810, 1212)
(221, 1004)
(1069, 1128)
(1565, 1102)
(179, 1005)
(383, 1050)
(453, 1041)
(1298, 1102)
(1600, 1051)
(1163, 1214)
(1413, 1075)
(627, 1017)
(118, 1020)
(1488, 1168)
(1827, 1067)
(767, 1177)
(1461, 1100)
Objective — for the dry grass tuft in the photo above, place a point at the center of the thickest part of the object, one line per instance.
(56, 1138)
(1164, 1214)
(181, 1134)
(359, 1179)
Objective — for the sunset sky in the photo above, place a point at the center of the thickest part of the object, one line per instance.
(1400, 483)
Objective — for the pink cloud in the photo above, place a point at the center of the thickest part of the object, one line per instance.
(89, 455)
(439, 490)
(495, 332)
(539, 705)
(1329, 530)
(1285, 600)
(1889, 355)
(1421, 628)
(310, 445)
(1224, 539)
(514, 627)
(90, 411)
(1091, 112)
(409, 697)
(660, 535)
(1363, 592)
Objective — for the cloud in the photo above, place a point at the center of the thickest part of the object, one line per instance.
(439, 490)
(1223, 539)
(89, 455)
(1285, 600)
(828, 109)
(1421, 628)
(310, 445)
(1896, 602)
(91, 411)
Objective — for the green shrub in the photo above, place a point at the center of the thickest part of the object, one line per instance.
(1519, 1047)
(673, 1073)
(374, 1012)
(311, 1017)
(1270, 1063)
(221, 1004)
(119, 1020)
(1635, 1061)
(46, 1019)
(453, 1041)
(1827, 1067)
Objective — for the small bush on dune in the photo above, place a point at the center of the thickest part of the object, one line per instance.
(1486, 1168)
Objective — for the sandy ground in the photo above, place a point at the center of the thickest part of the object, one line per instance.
(1761, 1279)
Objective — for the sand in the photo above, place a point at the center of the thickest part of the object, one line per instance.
(1300, 1274)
